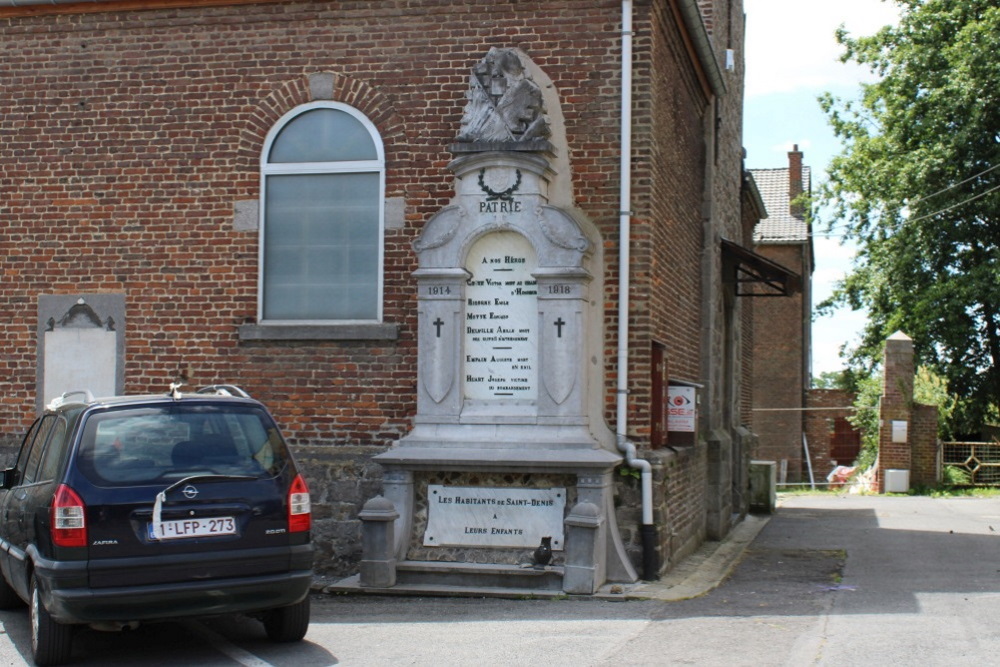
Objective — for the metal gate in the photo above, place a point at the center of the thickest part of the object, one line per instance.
(980, 459)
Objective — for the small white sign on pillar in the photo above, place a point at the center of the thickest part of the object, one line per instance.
(899, 430)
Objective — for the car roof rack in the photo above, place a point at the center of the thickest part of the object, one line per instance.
(62, 400)
(214, 389)
(224, 390)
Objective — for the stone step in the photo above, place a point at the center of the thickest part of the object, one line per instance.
(479, 575)
(352, 585)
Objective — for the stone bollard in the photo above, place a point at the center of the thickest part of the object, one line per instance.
(585, 569)
(378, 561)
(763, 486)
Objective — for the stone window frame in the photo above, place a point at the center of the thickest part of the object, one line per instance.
(374, 329)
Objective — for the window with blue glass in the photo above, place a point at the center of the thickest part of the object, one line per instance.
(322, 188)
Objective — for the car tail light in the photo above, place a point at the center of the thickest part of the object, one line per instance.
(68, 520)
(299, 510)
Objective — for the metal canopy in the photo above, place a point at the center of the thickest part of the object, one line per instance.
(753, 269)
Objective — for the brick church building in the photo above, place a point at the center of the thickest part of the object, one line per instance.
(251, 192)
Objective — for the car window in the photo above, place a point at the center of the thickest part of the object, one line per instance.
(142, 445)
(31, 453)
(29, 437)
(53, 454)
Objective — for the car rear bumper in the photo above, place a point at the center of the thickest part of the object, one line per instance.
(69, 600)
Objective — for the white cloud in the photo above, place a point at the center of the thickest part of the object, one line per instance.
(791, 45)
(830, 334)
(830, 250)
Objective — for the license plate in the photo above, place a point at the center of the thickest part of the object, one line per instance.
(204, 527)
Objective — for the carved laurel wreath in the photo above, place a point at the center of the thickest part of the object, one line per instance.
(492, 195)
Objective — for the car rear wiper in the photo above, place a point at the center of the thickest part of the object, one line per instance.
(161, 497)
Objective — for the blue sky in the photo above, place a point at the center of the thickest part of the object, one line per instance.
(792, 57)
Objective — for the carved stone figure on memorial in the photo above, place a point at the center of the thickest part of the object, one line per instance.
(504, 103)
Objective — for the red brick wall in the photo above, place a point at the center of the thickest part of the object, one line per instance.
(779, 382)
(824, 407)
(128, 138)
(925, 445)
(667, 229)
(751, 217)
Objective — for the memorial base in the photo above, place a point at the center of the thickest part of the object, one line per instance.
(473, 519)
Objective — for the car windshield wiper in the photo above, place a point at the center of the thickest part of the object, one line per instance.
(161, 497)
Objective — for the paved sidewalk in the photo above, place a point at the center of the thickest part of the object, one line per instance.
(697, 574)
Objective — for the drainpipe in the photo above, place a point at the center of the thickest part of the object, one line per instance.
(650, 568)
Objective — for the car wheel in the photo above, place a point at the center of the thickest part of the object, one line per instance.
(9, 599)
(51, 642)
(288, 624)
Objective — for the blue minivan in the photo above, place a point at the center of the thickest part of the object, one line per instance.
(147, 508)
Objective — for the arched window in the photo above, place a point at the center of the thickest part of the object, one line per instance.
(322, 192)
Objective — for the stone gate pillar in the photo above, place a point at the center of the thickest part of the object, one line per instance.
(907, 430)
(896, 413)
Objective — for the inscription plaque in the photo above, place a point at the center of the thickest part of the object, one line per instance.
(462, 516)
(501, 319)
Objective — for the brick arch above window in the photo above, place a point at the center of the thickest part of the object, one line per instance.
(320, 86)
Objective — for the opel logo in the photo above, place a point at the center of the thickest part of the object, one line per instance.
(189, 491)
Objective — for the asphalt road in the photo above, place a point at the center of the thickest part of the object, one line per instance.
(828, 581)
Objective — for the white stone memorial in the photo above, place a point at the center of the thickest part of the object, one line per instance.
(510, 344)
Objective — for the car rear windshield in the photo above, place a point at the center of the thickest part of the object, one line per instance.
(139, 445)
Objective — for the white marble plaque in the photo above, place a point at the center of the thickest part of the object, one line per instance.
(79, 359)
(501, 319)
(461, 516)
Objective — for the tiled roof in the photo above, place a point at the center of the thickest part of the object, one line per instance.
(780, 226)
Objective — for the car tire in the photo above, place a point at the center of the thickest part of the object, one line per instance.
(288, 624)
(9, 599)
(51, 642)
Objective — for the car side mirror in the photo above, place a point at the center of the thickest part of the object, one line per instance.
(8, 478)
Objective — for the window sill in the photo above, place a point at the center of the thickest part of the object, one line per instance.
(256, 332)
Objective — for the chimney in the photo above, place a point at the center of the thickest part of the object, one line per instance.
(797, 210)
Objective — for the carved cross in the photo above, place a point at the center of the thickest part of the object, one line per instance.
(559, 325)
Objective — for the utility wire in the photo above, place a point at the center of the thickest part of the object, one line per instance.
(953, 206)
(955, 185)
(935, 194)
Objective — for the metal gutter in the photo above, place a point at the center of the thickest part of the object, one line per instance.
(702, 44)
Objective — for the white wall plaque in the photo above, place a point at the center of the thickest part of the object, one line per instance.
(79, 359)
(899, 430)
(501, 319)
(494, 517)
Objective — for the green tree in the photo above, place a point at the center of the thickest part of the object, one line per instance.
(917, 187)
(831, 380)
(866, 418)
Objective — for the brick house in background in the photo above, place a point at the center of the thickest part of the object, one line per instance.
(782, 339)
(151, 147)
